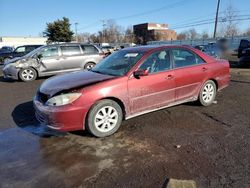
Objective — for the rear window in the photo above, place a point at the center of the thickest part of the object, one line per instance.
(89, 49)
(184, 58)
(30, 48)
(244, 44)
(70, 50)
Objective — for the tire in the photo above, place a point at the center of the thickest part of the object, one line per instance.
(99, 118)
(89, 65)
(207, 93)
(27, 74)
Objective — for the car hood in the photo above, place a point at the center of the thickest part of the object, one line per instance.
(72, 80)
(14, 60)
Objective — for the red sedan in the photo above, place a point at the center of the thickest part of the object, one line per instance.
(128, 83)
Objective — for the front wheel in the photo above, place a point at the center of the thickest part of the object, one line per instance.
(27, 74)
(207, 93)
(89, 65)
(104, 118)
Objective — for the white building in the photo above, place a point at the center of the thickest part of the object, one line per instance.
(19, 41)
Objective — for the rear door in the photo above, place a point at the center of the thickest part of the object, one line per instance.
(72, 57)
(91, 54)
(190, 72)
(156, 89)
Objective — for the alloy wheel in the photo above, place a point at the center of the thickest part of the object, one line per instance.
(106, 119)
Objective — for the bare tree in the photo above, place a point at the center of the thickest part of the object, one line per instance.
(193, 34)
(184, 35)
(83, 37)
(112, 32)
(247, 32)
(129, 35)
(229, 26)
(204, 35)
(95, 38)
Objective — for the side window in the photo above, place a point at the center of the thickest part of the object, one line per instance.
(182, 58)
(30, 48)
(157, 62)
(20, 49)
(88, 49)
(70, 50)
(244, 44)
(51, 51)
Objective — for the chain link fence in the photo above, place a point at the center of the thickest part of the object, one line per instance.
(233, 42)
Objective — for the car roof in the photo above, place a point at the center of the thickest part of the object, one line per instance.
(70, 43)
(147, 48)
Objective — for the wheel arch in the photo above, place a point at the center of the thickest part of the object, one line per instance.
(215, 81)
(86, 62)
(37, 73)
(119, 102)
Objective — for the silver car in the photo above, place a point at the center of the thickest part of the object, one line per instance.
(51, 60)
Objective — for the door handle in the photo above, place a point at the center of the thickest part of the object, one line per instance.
(169, 77)
(204, 68)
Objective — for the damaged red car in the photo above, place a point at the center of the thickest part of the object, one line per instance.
(128, 83)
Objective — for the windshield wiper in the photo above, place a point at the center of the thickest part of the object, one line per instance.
(99, 72)
(96, 71)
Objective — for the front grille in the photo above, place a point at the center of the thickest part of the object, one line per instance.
(42, 97)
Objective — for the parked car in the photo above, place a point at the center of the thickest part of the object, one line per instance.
(18, 52)
(128, 83)
(51, 60)
(6, 49)
(107, 50)
(200, 47)
(213, 50)
(244, 53)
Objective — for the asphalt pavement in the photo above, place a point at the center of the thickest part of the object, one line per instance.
(207, 145)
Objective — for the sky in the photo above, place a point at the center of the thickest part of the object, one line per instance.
(29, 17)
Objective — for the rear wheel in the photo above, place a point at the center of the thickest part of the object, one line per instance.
(207, 93)
(104, 118)
(27, 74)
(89, 65)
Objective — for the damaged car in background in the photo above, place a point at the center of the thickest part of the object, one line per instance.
(51, 60)
(128, 83)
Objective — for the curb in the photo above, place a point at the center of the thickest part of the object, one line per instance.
(243, 72)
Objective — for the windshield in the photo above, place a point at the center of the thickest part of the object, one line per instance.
(118, 64)
(33, 52)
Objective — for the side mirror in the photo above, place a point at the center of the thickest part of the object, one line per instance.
(139, 73)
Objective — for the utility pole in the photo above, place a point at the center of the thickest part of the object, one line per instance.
(76, 32)
(216, 18)
(103, 28)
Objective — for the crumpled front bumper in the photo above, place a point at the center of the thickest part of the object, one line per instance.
(10, 71)
(64, 118)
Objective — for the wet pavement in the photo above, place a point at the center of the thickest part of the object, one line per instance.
(209, 145)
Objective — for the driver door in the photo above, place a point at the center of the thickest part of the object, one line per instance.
(155, 90)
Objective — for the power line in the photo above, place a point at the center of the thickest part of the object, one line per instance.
(200, 22)
(152, 11)
(181, 2)
(209, 22)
